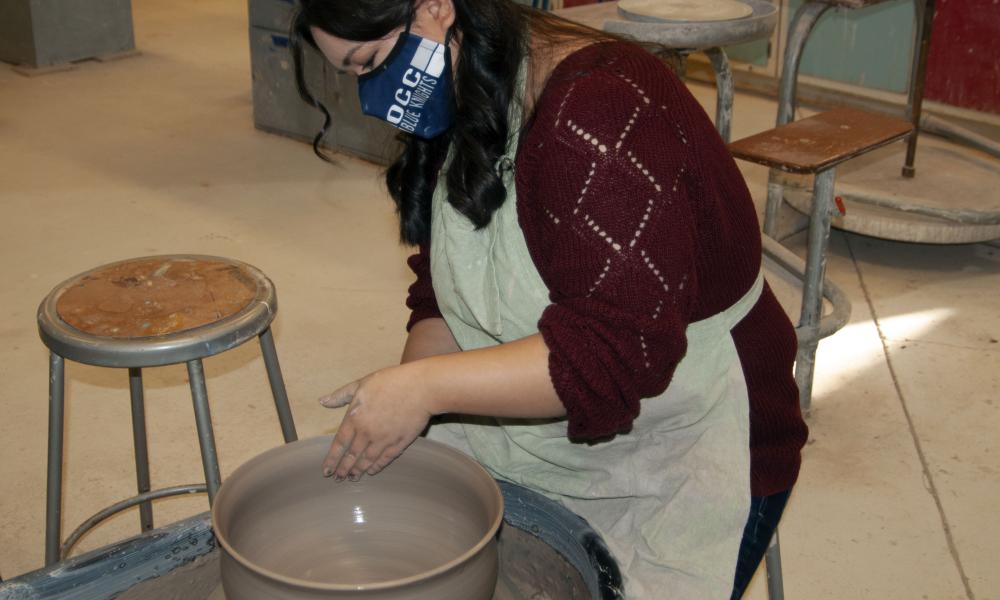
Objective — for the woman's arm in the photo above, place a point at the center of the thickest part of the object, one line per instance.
(428, 337)
(508, 380)
(388, 409)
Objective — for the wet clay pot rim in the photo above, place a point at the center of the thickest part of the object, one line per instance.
(428, 445)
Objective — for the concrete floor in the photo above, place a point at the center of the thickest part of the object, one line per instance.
(158, 154)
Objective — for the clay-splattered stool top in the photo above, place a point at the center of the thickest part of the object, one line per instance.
(155, 296)
(157, 310)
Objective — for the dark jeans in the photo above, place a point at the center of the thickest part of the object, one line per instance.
(765, 512)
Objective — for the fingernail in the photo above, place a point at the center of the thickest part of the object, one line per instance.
(339, 478)
(355, 478)
(327, 472)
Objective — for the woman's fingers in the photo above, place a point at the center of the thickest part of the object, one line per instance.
(341, 442)
(365, 462)
(385, 415)
(373, 461)
(354, 452)
(357, 459)
(348, 443)
(340, 397)
(346, 440)
(388, 455)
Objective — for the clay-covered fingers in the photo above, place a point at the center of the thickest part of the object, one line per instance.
(351, 457)
(365, 462)
(388, 455)
(341, 397)
(337, 449)
(347, 446)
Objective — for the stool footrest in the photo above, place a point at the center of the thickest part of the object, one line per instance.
(98, 517)
(829, 324)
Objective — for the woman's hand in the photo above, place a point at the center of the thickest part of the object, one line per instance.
(386, 411)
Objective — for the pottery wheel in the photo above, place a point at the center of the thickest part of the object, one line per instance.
(530, 569)
(684, 10)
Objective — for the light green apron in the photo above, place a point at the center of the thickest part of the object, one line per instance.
(671, 497)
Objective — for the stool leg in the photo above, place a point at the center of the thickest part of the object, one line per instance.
(918, 77)
(724, 91)
(53, 492)
(139, 441)
(802, 24)
(277, 386)
(775, 196)
(798, 32)
(772, 563)
(812, 289)
(203, 419)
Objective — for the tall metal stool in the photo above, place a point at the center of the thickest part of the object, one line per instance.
(149, 312)
(686, 37)
(799, 29)
(814, 146)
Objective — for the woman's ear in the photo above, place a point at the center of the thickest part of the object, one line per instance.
(436, 16)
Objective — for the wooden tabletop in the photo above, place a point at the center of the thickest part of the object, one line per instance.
(822, 141)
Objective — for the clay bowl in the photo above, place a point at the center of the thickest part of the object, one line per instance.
(423, 528)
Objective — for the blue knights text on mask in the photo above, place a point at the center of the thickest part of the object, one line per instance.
(418, 84)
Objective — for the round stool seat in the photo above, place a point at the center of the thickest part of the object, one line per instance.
(157, 310)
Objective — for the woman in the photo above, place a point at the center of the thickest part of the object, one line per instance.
(589, 309)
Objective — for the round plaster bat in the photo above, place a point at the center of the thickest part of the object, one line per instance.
(684, 10)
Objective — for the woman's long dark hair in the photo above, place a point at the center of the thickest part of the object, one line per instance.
(494, 39)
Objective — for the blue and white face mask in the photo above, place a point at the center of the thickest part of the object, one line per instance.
(412, 88)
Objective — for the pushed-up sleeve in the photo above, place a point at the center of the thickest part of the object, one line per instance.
(420, 299)
(608, 218)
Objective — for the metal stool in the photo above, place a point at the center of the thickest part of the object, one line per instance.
(814, 146)
(802, 25)
(687, 37)
(149, 312)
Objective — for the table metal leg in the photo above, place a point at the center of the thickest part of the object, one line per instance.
(140, 443)
(802, 24)
(812, 291)
(724, 91)
(772, 562)
(203, 419)
(918, 75)
(53, 492)
(277, 386)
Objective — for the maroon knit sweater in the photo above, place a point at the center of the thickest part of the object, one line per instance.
(639, 223)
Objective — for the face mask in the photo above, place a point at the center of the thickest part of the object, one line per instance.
(412, 88)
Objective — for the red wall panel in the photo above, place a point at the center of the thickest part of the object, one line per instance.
(963, 67)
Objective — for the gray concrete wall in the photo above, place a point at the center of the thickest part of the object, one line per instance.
(42, 33)
(17, 42)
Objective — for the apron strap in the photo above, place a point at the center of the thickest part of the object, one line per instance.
(738, 311)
